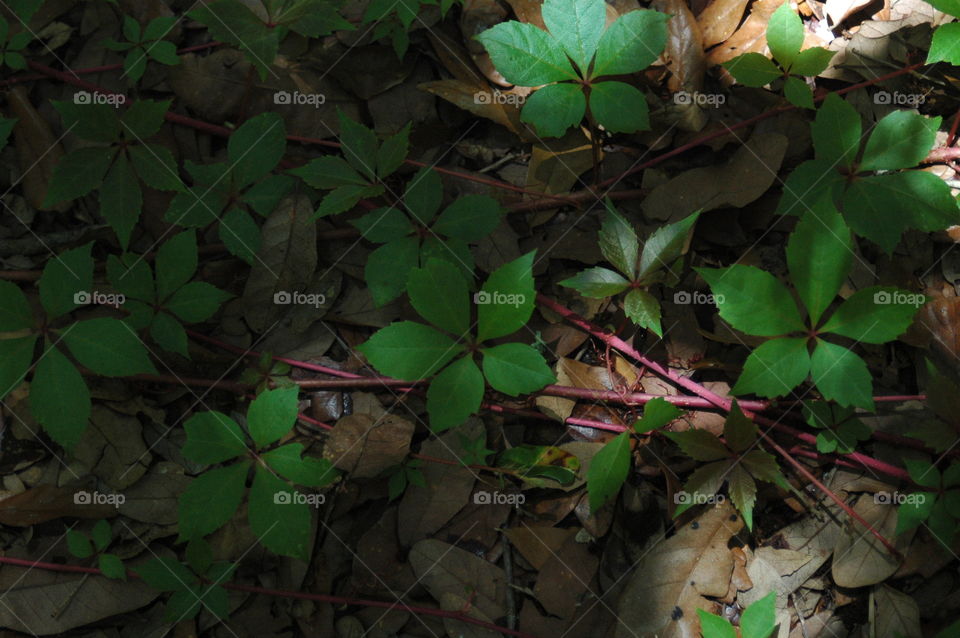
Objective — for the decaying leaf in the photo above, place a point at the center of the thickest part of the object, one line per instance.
(684, 49)
(860, 559)
(671, 583)
(365, 447)
(719, 20)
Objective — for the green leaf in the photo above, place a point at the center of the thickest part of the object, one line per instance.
(780, 314)
(63, 277)
(743, 493)
(703, 483)
(715, 626)
(176, 263)
(59, 399)
(469, 219)
(155, 165)
(15, 358)
(165, 574)
(131, 29)
(328, 172)
(763, 466)
(264, 196)
(798, 92)
(388, 268)
(256, 147)
(213, 437)
(526, 55)
(819, 255)
(78, 544)
(516, 368)
(112, 567)
(554, 108)
(383, 225)
(240, 234)
(108, 347)
(880, 208)
(211, 500)
(199, 555)
(607, 100)
(409, 350)
(665, 246)
(101, 535)
(785, 35)
(231, 21)
(923, 473)
(289, 462)
(699, 445)
(836, 132)
(618, 242)
(439, 293)
(914, 511)
(608, 470)
(900, 140)
(135, 64)
(656, 414)
(15, 313)
(164, 52)
(359, 145)
(813, 186)
(752, 69)
(282, 527)
(197, 301)
(875, 315)
(159, 28)
(759, 619)
(78, 173)
(812, 62)
(144, 118)
(506, 299)
(393, 151)
(643, 309)
(6, 127)
(120, 200)
(423, 195)
(945, 45)
(454, 394)
(739, 432)
(597, 283)
(841, 375)
(577, 25)
(94, 122)
(272, 414)
(632, 43)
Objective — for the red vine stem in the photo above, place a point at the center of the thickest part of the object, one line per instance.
(284, 593)
(725, 404)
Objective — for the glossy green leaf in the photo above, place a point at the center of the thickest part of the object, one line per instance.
(841, 375)
(665, 246)
(176, 263)
(211, 500)
(715, 626)
(256, 147)
(554, 108)
(814, 185)
(836, 132)
(798, 92)
(780, 314)
(213, 437)
(643, 309)
(280, 524)
(699, 445)
(78, 173)
(454, 394)
(608, 470)
(78, 544)
(15, 358)
(516, 368)
(618, 241)
(469, 219)
(619, 107)
(155, 165)
(121, 199)
(240, 234)
(774, 368)
(597, 283)
(739, 432)
(812, 62)
(15, 313)
(577, 25)
(409, 350)
(423, 195)
(785, 34)
(289, 462)
(393, 151)
(388, 268)
(93, 122)
(759, 619)
(359, 145)
(632, 43)
(506, 299)
(108, 347)
(65, 276)
(196, 301)
(945, 45)
(439, 293)
(752, 69)
(59, 398)
(328, 172)
(900, 140)
(819, 255)
(743, 492)
(111, 566)
(526, 55)
(875, 315)
(272, 414)
(656, 414)
(143, 119)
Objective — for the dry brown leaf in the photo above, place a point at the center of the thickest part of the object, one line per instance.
(719, 20)
(838, 10)
(749, 37)
(47, 502)
(38, 149)
(860, 559)
(684, 49)
(893, 613)
(538, 544)
(565, 577)
(747, 176)
(556, 165)
(480, 102)
(365, 447)
(671, 583)
(476, 17)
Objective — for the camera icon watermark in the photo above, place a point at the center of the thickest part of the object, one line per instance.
(498, 97)
(898, 298)
(296, 98)
(713, 100)
(686, 298)
(84, 497)
(97, 298)
(296, 298)
(912, 100)
(485, 297)
(498, 498)
(898, 498)
(683, 497)
(96, 97)
(284, 497)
